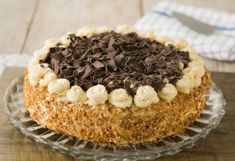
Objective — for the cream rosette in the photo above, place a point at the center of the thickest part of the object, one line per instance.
(145, 96)
(97, 95)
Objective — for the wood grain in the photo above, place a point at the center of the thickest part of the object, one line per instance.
(55, 19)
(220, 66)
(15, 17)
(219, 145)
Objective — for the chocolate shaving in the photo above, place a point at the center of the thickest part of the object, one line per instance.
(97, 64)
(55, 65)
(117, 61)
(87, 71)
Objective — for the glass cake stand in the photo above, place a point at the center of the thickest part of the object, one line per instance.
(79, 149)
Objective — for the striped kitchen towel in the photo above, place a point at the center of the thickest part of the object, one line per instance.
(220, 45)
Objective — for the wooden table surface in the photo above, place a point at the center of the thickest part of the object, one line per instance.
(26, 24)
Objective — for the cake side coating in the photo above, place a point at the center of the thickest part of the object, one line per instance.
(109, 125)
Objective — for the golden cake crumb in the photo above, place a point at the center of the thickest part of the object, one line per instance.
(106, 124)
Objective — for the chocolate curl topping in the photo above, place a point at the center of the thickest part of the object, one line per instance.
(117, 61)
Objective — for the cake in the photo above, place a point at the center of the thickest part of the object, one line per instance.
(117, 87)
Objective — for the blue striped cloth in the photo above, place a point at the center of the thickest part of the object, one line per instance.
(219, 46)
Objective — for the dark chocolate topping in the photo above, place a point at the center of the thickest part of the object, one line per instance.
(117, 61)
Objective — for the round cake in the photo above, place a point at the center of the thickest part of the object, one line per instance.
(118, 87)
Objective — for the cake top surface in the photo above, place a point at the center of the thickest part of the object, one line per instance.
(117, 60)
(122, 67)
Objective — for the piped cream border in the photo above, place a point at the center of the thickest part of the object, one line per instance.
(42, 75)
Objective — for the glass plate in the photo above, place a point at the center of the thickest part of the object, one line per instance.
(79, 149)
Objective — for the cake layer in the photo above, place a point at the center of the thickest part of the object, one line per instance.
(106, 124)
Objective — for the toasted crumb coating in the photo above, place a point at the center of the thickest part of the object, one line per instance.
(107, 124)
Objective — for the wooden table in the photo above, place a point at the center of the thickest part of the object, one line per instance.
(25, 24)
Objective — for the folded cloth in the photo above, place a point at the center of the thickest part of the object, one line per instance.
(220, 45)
